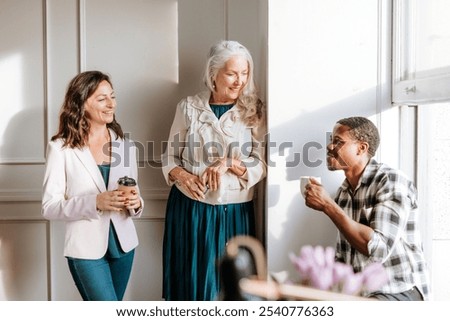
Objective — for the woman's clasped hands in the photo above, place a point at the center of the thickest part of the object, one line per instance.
(212, 175)
(199, 186)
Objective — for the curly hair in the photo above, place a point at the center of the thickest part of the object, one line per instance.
(74, 123)
(250, 106)
(363, 130)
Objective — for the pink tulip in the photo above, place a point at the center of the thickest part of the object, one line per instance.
(329, 256)
(340, 271)
(321, 278)
(374, 276)
(316, 267)
(301, 266)
(352, 284)
(319, 256)
(306, 251)
(306, 254)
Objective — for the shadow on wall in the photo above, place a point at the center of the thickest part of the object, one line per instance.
(147, 115)
(20, 140)
(291, 223)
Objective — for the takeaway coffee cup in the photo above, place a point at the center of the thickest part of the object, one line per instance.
(305, 180)
(126, 184)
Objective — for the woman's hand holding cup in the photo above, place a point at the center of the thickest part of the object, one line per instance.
(127, 186)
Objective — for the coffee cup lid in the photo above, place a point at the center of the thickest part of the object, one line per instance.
(126, 181)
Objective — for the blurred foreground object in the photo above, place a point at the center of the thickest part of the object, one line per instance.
(317, 268)
(244, 258)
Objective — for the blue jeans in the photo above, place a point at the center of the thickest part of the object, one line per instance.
(104, 279)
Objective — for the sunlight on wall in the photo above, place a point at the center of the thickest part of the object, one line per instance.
(328, 60)
(388, 151)
(279, 202)
(11, 90)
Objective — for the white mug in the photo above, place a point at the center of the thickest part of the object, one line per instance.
(305, 180)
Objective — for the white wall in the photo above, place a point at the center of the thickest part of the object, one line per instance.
(154, 51)
(327, 60)
(23, 247)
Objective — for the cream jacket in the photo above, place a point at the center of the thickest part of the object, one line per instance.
(71, 183)
(197, 139)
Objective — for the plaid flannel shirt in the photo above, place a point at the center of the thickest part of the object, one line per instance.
(386, 201)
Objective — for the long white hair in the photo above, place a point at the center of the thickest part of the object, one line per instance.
(249, 104)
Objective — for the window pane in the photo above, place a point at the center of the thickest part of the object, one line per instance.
(421, 59)
(434, 189)
(432, 37)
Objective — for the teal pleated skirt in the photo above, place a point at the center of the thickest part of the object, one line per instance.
(195, 236)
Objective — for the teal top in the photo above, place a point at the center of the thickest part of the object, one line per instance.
(114, 249)
(104, 170)
(219, 110)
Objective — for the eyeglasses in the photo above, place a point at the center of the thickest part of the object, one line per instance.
(336, 142)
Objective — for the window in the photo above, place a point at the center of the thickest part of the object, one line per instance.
(421, 72)
(421, 78)
(434, 190)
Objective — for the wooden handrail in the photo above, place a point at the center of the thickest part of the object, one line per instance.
(273, 291)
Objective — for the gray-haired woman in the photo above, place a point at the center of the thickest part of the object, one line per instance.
(214, 159)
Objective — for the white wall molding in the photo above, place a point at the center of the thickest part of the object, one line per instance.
(22, 161)
(35, 195)
(155, 194)
(20, 195)
(82, 35)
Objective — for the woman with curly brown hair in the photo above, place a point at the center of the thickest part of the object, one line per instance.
(85, 160)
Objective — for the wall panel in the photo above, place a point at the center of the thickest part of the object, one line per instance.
(146, 276)
(63, 54)
(141, 55)
(22, 82)
(23, 260)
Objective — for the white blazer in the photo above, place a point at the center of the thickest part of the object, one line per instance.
(72, 182)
